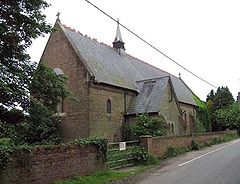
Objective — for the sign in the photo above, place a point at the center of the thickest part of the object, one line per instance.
(122, 146)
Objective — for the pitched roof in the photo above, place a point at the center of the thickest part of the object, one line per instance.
(121, 70)
(149, 98)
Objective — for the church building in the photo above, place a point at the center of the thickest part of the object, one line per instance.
(112, 87)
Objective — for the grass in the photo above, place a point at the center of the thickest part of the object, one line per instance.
(106, 176)
(97, 178)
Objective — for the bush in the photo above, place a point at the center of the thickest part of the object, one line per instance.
(171, 152)
(195, 145)
(154, 126)
(100, 142)
(143, 157)
(5, 141)
(5, 154)
(41, 125)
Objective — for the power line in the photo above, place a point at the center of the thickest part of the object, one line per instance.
(149, 44)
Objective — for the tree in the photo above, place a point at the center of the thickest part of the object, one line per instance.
(20, 22)
(222, 99)
(210, 96)
(46, 88)
(40, 125)
(229, 118)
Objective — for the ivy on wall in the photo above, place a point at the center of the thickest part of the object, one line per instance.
(203, 123)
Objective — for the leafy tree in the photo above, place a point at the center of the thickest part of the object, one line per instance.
(210, 96)
(223, 98)
(146, 125)
(40, 125)
(46, 88)
(20, 22)
(229, 118)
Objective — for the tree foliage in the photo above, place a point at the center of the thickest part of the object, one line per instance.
(20, 22)
(222, 99)
(229, 118)
(147, 125)
(46, 88)
(40, 125)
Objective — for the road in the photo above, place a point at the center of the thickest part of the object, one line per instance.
(219, 164)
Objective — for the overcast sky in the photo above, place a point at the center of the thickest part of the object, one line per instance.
(202, 35)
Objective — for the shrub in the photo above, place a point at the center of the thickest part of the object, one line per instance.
(171, 152)
(100, 142)
(154, 126)
(5, 154)
(195, 145)
(142, 157)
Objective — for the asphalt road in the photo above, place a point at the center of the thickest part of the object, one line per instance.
(219, 164)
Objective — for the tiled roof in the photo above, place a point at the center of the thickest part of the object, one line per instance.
(122, 70)
(150, 96)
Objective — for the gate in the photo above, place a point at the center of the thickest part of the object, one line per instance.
(119, 154)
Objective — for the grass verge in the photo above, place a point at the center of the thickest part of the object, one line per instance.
(106, 176)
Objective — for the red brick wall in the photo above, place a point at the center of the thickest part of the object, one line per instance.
(59, 53)
(159, 145)
(45, 165)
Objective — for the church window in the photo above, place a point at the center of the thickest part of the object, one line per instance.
(172, 129)
(109, 106)
(59, 72)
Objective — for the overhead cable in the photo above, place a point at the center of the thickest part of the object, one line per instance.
(149, 44)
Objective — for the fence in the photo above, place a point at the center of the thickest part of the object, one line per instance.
(119, 154)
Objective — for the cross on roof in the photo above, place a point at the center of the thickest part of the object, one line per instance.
(58, 14)
(179, 75)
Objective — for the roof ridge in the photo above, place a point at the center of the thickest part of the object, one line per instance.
(86, 36)
(155, 78)
(104, 44)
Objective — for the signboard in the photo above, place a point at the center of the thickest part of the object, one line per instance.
(122, 146)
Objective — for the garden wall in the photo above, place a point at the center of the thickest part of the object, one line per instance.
(45, 165)
(157, 146)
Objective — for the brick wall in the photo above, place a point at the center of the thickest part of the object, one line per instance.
(101, 123)
(59, 53)
(45, 165)
(189, 116)
(169, 109)
(159, 145)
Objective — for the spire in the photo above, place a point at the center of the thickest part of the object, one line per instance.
(118, 43)
(118, 36)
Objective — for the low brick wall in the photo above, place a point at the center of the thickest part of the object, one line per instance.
(46, 165)
(157, 146)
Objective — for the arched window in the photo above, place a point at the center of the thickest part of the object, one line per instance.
(109, 106)
(172, 129)
(60, 105)
(59, 72)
